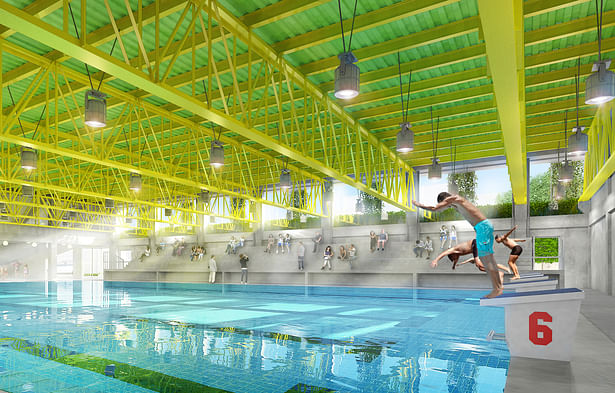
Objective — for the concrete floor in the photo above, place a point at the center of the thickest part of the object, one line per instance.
(592, 369)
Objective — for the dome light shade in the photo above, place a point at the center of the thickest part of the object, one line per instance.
(285, 181)
(453, 188)
(216, 156)
(435, 170)
(600, 86)
(204, 196)
(5, 243)
(28, 159)
(577, 142)
(95, 109)
(135, 182)
(405, 139)
(566, 171)
(347, 77)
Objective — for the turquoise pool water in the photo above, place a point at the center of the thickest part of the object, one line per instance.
(60, 337)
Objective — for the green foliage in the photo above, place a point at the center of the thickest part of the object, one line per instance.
(466, 183)
(542, 190)
(546, 247)
(371, 204)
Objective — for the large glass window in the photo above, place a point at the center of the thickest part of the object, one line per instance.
(354, 207)
(64, 262)
(489, 189)
(549, 196)
(546, 253)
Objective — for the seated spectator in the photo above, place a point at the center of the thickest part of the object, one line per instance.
(343, 254)
(419, 247)
(201, 251)
(145, 254)
(280, 244)
(242, 240)
(287, 243)
(230, 247)
(352, 252)
(270, 243)
(193, 253)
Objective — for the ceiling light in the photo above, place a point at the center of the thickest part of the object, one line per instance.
(28, 159)
(95, 109)
(216, 155)
(135, 182)
(34, 244)
(600, 86)
(435, 170)
(347, 77)
(109, 203)
(577, 142)
(566, 171)
(5, 243)
(405, 138)
(204, 196)
(453, 188)
(285, 181)
(168, 212)
(27, 190)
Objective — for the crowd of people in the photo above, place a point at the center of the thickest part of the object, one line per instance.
(234, 244)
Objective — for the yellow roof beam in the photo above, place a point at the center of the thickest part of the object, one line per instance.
(278, 11)
(537, 7)
(502, 23)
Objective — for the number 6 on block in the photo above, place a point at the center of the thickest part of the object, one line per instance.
(535, 328)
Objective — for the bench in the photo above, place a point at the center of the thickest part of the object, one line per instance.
(540, 324)
(534, 285)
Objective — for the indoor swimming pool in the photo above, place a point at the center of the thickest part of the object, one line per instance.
(143, 337)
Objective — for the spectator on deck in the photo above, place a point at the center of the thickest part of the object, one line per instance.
(317, 239)
(383, 238)
(373, 241)
(180, 249)
(300, 255)
(230, 246)
(343, 254)
(352, 253)
(175, 248)
(201, 251)
(26, 271)
(428, 247)
(419, 247)
(193, 253)
(280, 244)
(243, 262)
(287, 243)
(327, 256)
(213, 268)
(270, 243)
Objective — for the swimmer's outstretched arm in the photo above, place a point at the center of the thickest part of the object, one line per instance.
(509, 232)
(518, 240)
(440, 206)
(434, 263)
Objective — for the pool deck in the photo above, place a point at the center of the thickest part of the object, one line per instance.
(592, 368)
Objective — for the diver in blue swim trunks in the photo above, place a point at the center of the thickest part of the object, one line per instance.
(482, 227)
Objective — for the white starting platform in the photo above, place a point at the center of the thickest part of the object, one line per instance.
(526, 279)
(527, 286)
(531, 274)
(540, 324)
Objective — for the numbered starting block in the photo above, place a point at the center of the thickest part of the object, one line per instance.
(540, 324)
(527, 286)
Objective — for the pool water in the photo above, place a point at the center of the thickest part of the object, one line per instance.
(140, 337)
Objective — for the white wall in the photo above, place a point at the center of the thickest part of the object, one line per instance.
(600, 269)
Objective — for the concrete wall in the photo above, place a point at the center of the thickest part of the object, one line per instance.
(600, 269)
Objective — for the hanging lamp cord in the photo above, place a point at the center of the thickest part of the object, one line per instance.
(565, 139)
(576, 81)
(354, 14)
(404, 109)
(434, 141)
(599, 25)
(77, 33)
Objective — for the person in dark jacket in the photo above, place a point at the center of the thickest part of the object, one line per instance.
(243, 261)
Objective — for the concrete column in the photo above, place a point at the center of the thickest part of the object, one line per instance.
(327, 222)
(52, 261)
(77, 263)
(521, 219)
(257, 235)
(412, 217)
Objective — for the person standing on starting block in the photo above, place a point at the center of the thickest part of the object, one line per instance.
(482, 227)
(515, 250)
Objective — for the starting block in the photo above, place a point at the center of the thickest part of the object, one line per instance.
(526, 286)
(540, 324)
(531, 274)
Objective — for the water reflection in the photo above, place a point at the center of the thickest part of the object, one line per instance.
(109, 325)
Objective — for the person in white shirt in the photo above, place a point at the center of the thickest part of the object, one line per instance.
(213, 268)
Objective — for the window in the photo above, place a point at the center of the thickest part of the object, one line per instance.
(65, 262)
(549, 196)
(546, 253)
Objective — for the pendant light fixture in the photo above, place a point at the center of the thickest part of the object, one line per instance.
(95, 109)
(405, 137)
(347, 75)
(28, 159)
(204, 196)
(566, 171)
(453, 187)
(216, 154)
(600, 86)
(577, 142)
(109, 204)
(285, 180)
(135, 182)
(435, 169)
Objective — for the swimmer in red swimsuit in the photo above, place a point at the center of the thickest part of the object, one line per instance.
(515, 250)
